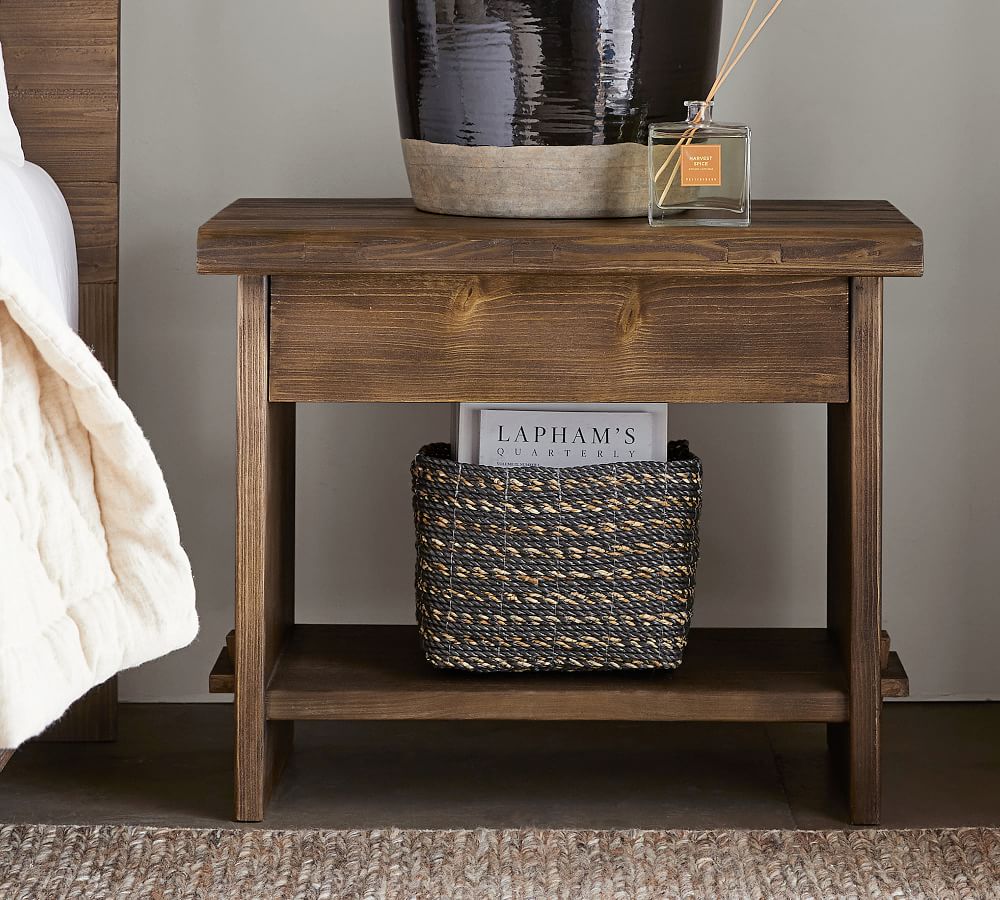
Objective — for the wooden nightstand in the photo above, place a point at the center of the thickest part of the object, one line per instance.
(373, 301)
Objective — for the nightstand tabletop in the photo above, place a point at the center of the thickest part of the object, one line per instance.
(788, 237)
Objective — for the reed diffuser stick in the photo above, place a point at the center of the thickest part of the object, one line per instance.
(725, 71)
(752, 38)
(715, 85)
(734, 45)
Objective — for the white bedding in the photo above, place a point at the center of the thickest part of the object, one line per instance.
(93, 578)
(37, 231)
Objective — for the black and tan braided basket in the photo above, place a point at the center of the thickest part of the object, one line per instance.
(538, 569)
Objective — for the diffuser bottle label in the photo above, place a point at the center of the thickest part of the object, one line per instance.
(701, 165)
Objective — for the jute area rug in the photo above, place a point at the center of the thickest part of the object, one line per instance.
(49, 862)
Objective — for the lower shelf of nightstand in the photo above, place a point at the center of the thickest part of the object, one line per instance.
(729, 674)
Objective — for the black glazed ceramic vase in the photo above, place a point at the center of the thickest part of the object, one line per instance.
(540, 108)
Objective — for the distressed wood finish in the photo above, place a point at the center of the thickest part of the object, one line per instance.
(854, 535)
(265, 542)
(567, 338)
(814, 690)
(895, 681)
(378, 672)
(99, 323)
(92, 718)
(222, 678)
(789, 310)
(94, 207)
(62, 68)
(61, 59)
(272, 237)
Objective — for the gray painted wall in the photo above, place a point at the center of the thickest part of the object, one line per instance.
(895, 99)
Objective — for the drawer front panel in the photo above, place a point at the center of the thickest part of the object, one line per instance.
(380, 338)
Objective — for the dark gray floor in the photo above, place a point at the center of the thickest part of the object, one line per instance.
(172, 766)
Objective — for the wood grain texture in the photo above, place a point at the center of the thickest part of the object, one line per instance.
(5, 757)
(84, 147)
(576, 311)
(272, 237)
(559, 338)
(99, 323)
(94, 717)
(94, 207)
(895, 681)
(62, 66)
(378, 672)
(854, 552)
(60, 24)
(884, 648)
(265, 542)
(222, 678)
(61, 60)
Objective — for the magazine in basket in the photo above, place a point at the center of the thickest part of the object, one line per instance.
(558, 435)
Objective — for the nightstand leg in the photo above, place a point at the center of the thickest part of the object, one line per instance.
(265, 542)
(854, 553)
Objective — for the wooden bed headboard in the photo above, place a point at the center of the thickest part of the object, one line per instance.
(62, 70)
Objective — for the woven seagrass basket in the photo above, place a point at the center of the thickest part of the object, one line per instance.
(539, 569)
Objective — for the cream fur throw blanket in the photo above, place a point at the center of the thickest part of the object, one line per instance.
(92, 575)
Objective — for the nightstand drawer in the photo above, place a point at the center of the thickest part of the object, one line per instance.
(439, 338)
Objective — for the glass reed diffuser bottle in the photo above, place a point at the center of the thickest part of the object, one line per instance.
(699, 170)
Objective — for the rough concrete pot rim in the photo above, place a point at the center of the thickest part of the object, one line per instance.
(575, 182)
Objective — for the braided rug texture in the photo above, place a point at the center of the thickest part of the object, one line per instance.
(120, 862)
